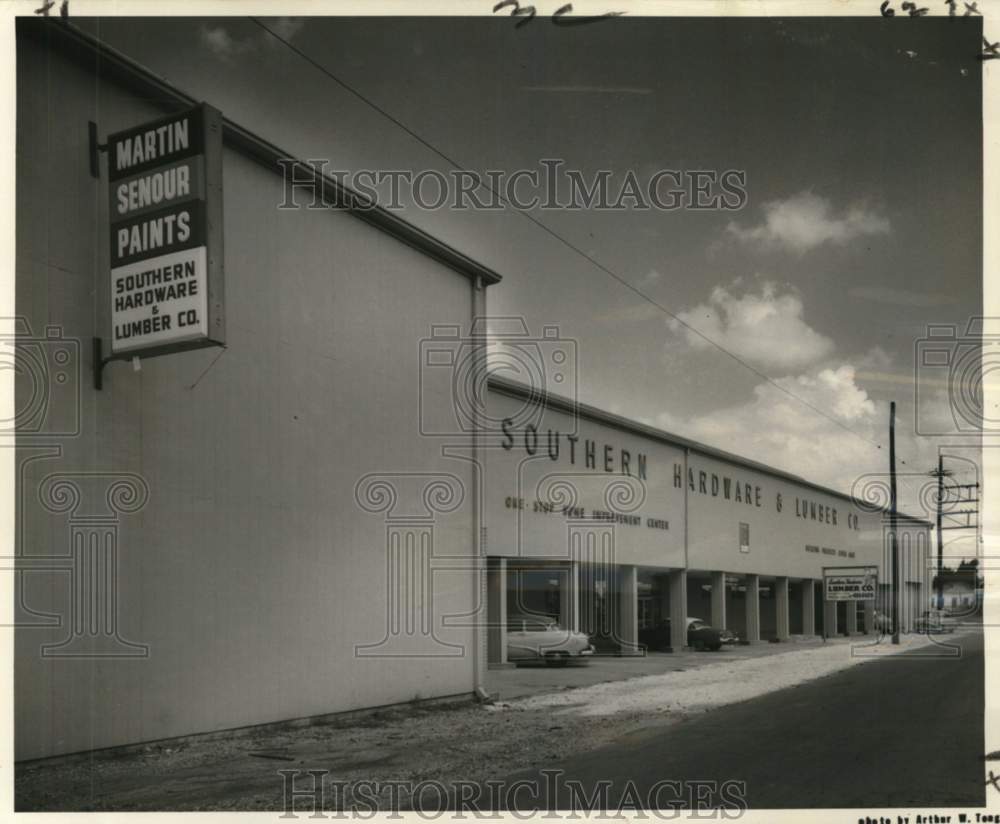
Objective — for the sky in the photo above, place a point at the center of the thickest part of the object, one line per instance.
(860, 140)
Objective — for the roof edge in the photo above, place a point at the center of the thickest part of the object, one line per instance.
(81, 45)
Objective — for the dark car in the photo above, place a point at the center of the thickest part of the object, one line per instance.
(700, 636)
(728, 636)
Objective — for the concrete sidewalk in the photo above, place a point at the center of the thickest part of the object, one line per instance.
(534, 678)
(714, 684)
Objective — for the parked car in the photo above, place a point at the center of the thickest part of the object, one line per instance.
(935, 621)
(727, 636)
(540, 638)
(700, 636)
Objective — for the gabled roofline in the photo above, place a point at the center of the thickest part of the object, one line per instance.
(562, 404)
(108, 62)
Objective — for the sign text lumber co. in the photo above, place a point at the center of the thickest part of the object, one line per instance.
(850, 584)
(167, 290)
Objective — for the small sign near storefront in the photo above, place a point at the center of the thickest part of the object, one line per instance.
(850, 583)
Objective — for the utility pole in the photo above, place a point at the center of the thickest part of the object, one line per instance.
(892, 523)
(940, 542)
(941, 473)
(964, 494)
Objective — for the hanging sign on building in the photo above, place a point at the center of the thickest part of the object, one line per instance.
(167, 285)
(850, 583)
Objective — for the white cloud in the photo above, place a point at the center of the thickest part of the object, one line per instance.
(651, 278)
(765, 327)
(834, 391)
(285, 27)
(834, 446)
(805, 221)
(875, 358)
(223, 45)
(876, 368)
(779, 429)
(819, 421)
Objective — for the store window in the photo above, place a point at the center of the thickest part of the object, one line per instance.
(646, 619)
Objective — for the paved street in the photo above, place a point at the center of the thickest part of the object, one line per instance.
(846, 740)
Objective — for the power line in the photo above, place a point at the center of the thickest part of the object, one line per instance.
(568, 244)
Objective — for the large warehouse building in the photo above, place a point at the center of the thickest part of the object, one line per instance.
(308, 521)
(611, 526)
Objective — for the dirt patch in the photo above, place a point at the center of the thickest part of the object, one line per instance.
(461, 743)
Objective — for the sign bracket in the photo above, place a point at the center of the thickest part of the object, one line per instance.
(96, 147)
(100, 362)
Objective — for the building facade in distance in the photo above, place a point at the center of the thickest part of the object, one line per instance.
(611, 526)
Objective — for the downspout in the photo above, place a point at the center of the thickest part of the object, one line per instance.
(684, 480)
(479, 583)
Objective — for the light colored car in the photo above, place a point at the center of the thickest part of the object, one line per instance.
(935, 621)
(539, 638)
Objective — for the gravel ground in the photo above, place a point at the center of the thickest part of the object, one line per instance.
(714, 684)
(444, 743)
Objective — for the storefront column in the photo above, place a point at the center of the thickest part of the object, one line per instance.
(781, 608)
(719, 600)
(808, 607)
(829, 619)
(569, 602)
(753, 608)
(869, 628)
(628, 610)
(496, 610)
(678, 609)
(852, 618)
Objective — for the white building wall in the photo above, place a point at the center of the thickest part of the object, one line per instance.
(514, 474)
(841, 533)
(794, 529)
(252, 572)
